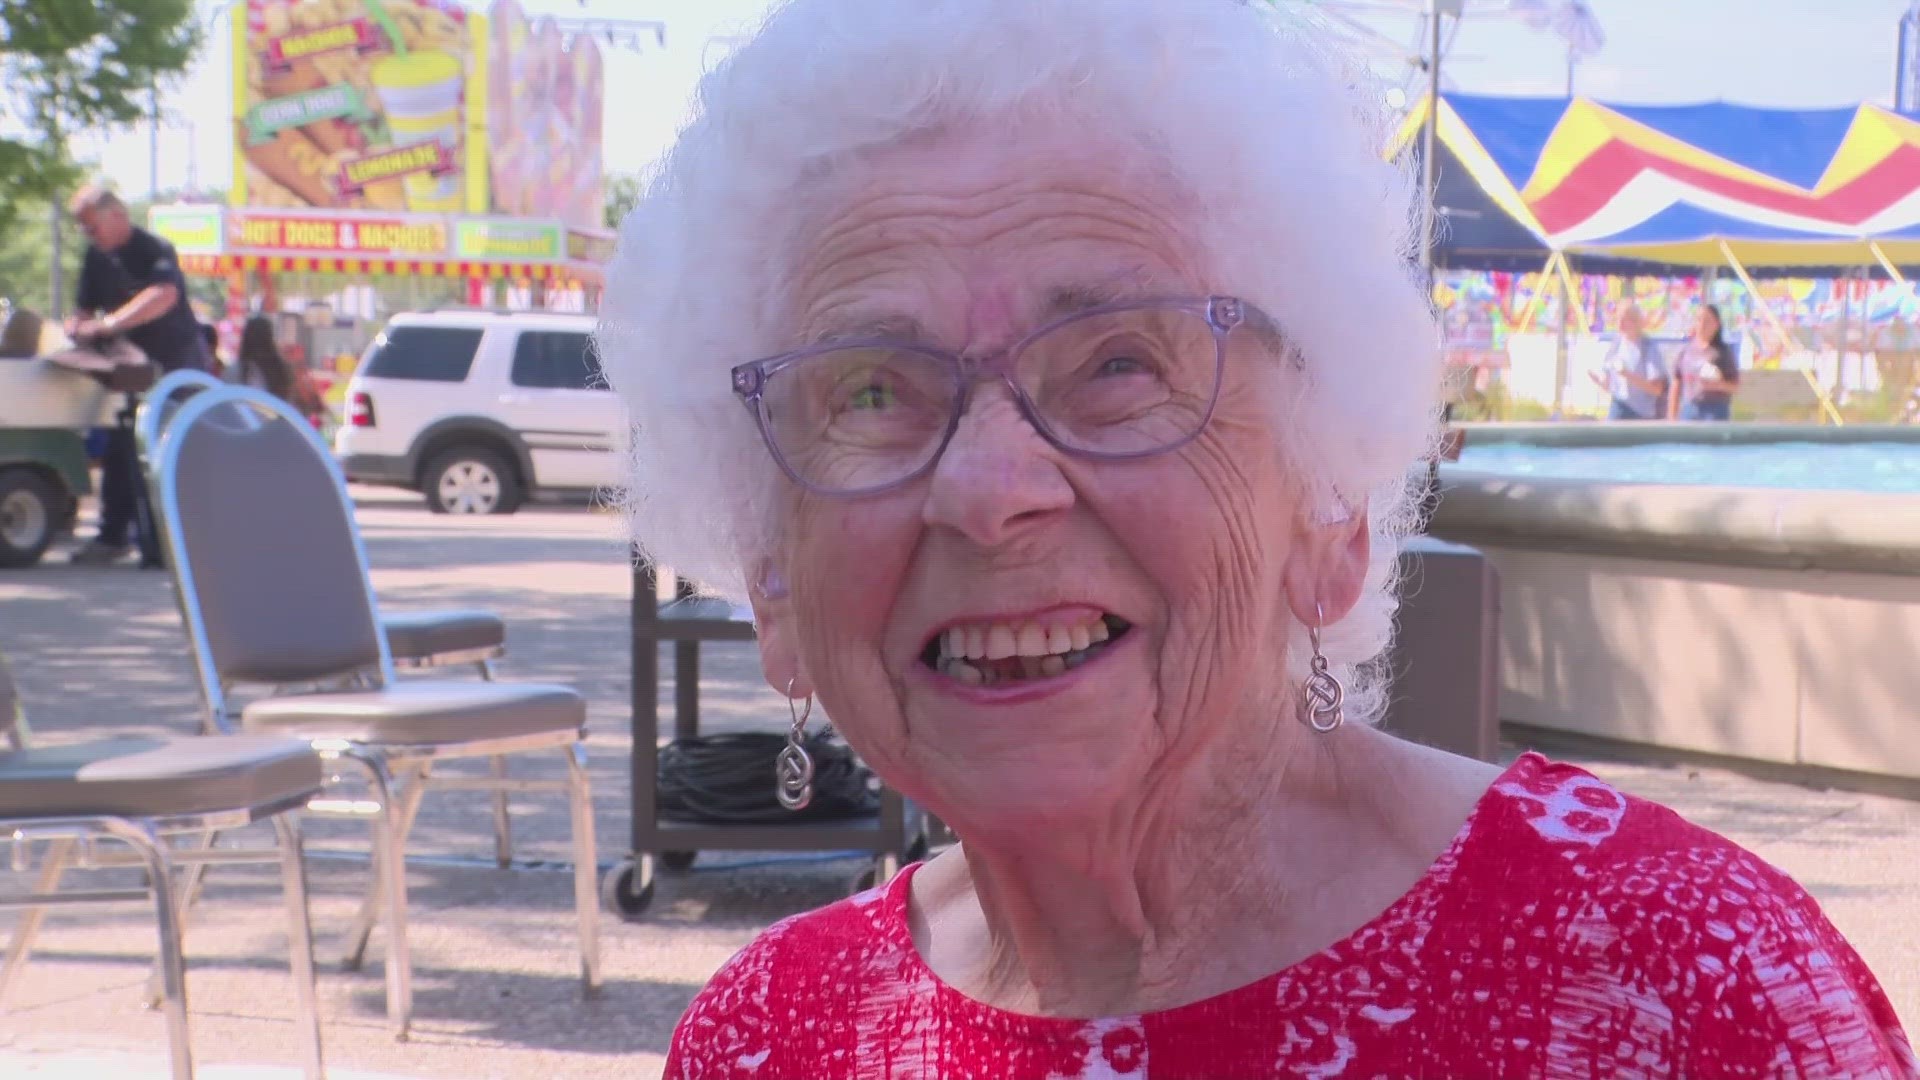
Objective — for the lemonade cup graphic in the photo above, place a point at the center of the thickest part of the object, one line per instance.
(420, 92)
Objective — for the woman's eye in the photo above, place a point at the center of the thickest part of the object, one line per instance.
(871, 396)
(1122, 364)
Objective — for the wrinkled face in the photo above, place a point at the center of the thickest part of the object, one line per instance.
(106, 227)
(1148, 603)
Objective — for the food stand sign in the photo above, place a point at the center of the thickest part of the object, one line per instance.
(191, 229)
(403, 236)
(590, 245)
(508, 239)
(415, 106)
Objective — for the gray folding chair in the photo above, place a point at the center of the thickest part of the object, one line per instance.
(417, 640)
(145, 792)
(273, 585)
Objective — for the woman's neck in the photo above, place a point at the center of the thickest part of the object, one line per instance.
(1189, 889)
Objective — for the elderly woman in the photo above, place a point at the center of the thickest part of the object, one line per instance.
(1084, 380)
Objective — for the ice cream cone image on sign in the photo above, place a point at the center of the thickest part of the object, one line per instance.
(420, 94)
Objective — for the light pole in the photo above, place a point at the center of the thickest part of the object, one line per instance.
(153, 142)
(1429, 169)
(55, 301)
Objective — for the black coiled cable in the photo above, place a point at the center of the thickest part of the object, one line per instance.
(730, 779)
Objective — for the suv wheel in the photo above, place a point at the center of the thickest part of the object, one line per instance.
(470, 480)
(32, 511)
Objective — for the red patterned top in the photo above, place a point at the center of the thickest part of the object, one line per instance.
(1568, 931)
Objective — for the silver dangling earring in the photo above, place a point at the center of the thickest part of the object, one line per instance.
(793, 772)
(1322, 694)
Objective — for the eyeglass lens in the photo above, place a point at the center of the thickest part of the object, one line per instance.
(1111, 383)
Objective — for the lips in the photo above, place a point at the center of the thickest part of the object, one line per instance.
(992, 652)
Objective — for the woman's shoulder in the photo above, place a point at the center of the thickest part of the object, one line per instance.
(1543, 819)
(1623, 897)
(796, 972)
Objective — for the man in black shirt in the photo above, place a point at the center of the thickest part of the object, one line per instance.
(130, 286)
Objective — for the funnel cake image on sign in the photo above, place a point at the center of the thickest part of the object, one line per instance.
(544, 111)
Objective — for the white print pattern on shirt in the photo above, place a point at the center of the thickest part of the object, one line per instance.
(1576, 810)
(1116, 1050)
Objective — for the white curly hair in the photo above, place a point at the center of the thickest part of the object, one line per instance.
(1251, 114)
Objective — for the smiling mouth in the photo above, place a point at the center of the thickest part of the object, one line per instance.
(990, 654)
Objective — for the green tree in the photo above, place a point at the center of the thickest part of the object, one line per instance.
(623, 194)
(26, 252)
(78, 65)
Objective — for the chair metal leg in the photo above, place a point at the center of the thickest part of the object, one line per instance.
(59, 853)
(586, 868)
(412, 788)
(390, 871)
(192, 875)
(502, 824)
(173, 968)
(293, 877)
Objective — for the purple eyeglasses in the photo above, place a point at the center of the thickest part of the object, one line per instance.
(1115, 382)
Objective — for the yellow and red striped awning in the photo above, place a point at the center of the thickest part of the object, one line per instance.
(222, 265)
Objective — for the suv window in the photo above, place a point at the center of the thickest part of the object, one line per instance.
(424, 353)
(556, 360)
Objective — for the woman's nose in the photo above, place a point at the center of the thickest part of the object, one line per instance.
(998, 478)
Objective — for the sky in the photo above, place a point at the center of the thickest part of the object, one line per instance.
(1787, 53)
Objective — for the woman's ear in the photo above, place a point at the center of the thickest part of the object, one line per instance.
(1327, 568)
(773, 628)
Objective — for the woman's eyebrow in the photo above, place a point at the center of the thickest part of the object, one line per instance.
(1067, 300)
(1060, 302)
(875, 326)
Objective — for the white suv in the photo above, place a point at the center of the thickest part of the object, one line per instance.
(478, 411)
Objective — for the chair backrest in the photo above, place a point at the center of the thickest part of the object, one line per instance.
(20, 334)
(269, 566)
(162, 403)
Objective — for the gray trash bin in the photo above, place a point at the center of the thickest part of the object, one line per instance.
(1446, 652)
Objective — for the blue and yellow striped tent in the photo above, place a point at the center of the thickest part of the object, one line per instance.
(1802, 192)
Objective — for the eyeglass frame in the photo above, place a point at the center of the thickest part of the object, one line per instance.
(1223, 315)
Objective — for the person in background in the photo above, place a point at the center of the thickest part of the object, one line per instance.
(1707, 371)
(210, 334)
(259, 364)
(130, 286)
(1634, 373)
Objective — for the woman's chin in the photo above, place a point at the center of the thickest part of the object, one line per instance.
(1023, 805)
(1064, 761)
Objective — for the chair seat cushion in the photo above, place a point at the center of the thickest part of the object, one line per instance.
(418, 635)
(421, 712)
(139, 776)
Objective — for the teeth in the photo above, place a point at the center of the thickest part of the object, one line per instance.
(1001, 643)
(1035, 650)
(1031, 641)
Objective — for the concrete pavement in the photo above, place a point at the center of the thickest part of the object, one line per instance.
(496, 989)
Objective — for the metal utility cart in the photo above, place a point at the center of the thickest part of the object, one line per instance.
(896, 835)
